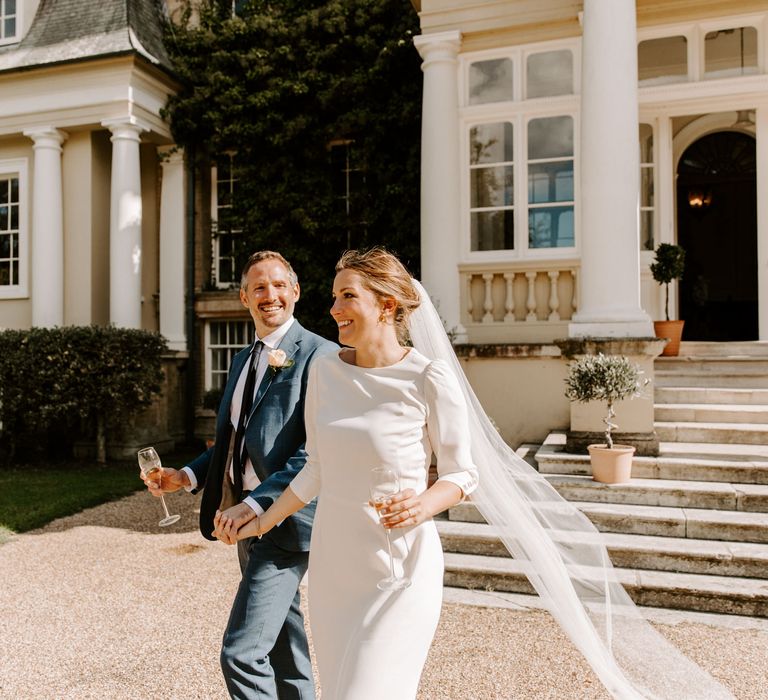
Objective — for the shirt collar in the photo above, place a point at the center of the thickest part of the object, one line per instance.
(273, 339)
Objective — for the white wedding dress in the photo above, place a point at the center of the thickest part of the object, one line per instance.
(369, 643)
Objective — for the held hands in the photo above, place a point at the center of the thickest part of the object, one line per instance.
(404, 509)
(228, 525)
(165, 480)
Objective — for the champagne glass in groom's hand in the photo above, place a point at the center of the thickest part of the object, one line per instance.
(149, 463)
(383, 484)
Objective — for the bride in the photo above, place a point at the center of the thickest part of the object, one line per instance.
(380, 403)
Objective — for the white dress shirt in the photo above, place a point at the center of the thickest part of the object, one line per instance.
(250, 480)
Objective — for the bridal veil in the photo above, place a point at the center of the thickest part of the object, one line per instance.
(563, 556)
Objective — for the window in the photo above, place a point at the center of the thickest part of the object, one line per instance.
(490, 81)
(549, 74)
(491, 186)
(647, 204)
(13, 235)
(730, 52)
(225, 229)
(550, 183)
(9, 21)
(224, 340)
(662, 60)
(349, 187)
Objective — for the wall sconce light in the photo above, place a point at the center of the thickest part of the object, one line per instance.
(699, 199)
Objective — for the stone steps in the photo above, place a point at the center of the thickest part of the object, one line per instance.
(722, 433)
(738, 349)
(710, 395)
(658, 521)
(710, 413)
(757, 379)
(701, 592)
(746, 464)
(684, 555)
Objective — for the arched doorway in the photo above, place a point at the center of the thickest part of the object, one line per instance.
(717, 227)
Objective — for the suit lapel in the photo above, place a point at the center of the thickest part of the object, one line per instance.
(289, 345)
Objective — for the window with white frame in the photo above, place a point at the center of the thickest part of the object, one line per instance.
(730, 52)
(530, 141)
(9, 21)
(224, 339)
(647, 202)
(550, 183)
(663, 60)
(13, 234)
(491, 186)
(225, 230)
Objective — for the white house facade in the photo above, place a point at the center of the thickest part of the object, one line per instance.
(563, 141)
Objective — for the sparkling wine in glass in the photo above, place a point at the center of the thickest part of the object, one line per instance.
(383, 484)
(149, 462)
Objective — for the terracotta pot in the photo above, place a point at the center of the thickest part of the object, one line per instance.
(611, 466)
(672, 330)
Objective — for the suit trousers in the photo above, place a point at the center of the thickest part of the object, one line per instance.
(265, 653)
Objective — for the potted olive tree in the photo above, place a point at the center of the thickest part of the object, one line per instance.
(669, 266)
(608, 378)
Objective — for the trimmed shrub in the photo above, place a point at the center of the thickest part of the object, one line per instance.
(74, 381)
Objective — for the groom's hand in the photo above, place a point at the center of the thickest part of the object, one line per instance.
(226, 523)
(168, 481)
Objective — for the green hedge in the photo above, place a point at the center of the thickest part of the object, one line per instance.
(59, 384)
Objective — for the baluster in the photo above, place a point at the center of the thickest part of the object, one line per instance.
(554, 302)
(575, 295)
(470, 304)
(531, 302)
(509, 301)
(488, 303)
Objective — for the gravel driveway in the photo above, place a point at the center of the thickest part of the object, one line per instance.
(104, 604)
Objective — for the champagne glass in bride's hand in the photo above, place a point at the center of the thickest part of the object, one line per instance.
(384, 483)
(149, 463)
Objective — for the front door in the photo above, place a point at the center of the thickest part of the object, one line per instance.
(717, 227)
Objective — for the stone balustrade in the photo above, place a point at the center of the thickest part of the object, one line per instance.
(519, 302)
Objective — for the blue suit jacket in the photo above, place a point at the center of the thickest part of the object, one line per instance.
(275, 437)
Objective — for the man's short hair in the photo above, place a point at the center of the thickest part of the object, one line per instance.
(267, 255)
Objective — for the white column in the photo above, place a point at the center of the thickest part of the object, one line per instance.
(610, 176)
(47, 228)
(440, 177)
(761, 135)
(172, 248)
(125, 224)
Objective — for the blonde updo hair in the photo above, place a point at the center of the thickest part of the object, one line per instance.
(386, 277)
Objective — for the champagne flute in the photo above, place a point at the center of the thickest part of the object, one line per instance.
(149, 463)
(383, 484)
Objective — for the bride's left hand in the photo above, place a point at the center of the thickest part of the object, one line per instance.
(404, 509)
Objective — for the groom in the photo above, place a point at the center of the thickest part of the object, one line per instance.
(259, 448)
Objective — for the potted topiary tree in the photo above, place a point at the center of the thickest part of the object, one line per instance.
(608, 378)
(669, 266)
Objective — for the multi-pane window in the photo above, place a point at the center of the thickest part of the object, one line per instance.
(549, 73)
(662, 60)
(225, 340)
(9, 231)
(729, 52)
(491, 186)
(550, 183)
(9, 20)
(490, 81)
(225, 228)
(647, 203)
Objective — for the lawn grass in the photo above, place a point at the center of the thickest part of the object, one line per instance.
(33, 495)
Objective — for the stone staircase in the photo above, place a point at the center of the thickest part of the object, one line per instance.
(690, 531)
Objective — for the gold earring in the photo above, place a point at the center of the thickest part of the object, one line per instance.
(382, 317)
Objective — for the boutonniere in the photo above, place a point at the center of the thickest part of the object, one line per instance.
(278, 360)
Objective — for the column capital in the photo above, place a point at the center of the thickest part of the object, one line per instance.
(170, 155)
(438, 46)
(46, 137)
(128, 128)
